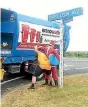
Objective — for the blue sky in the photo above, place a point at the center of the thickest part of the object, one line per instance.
(42, 8)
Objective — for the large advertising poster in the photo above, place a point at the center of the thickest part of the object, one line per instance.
(32, 34)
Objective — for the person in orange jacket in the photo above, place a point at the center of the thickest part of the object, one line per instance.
(51, 50)
(43, 67)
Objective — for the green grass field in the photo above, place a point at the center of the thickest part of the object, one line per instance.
(73, 94)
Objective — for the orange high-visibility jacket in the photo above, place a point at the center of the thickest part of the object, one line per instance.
(43, 61)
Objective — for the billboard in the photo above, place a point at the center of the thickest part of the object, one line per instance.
(33, 34)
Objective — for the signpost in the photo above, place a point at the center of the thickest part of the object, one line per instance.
(60, 72)
(63, 18)
(61, 57)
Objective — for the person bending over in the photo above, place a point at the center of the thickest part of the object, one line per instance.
(43, 67)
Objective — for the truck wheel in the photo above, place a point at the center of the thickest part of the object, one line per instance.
(22, 72)
(32, 69)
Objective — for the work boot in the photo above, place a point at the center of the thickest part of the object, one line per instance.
(46, 82)
(56, 83)
(32, 86)
(50, 83)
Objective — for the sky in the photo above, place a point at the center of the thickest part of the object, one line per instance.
(42, 8)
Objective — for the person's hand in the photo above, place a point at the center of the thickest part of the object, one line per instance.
(40, 47)
(35, 47)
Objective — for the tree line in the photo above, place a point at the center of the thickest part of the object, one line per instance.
(76, 54)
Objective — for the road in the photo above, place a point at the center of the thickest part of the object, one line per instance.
(75, 66)
(71, 66)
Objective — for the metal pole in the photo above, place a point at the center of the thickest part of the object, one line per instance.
(60, 71)
(61, 57)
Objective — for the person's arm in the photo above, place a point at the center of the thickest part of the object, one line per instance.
(42, 48)
(36, 49)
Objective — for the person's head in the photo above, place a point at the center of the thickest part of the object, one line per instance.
(51, 44)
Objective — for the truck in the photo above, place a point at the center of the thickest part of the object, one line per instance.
(19, 35)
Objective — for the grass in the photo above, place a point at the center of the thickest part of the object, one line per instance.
(73, 94)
